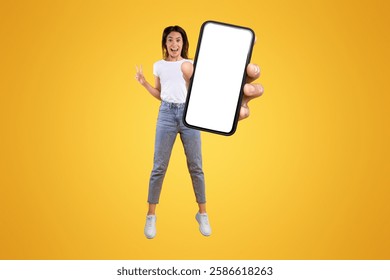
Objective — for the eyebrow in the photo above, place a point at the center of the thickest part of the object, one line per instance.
(170, 37)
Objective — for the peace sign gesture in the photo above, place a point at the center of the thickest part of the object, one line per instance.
(139, 76)
(153, 90)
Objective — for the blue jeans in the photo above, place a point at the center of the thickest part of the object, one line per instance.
(169, 124)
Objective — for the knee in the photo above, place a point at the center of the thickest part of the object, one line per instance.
(159, 168)
(195, 168)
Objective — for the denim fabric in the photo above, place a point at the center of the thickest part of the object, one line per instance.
(169, 124)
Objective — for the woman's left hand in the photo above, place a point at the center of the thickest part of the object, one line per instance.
(251, 90)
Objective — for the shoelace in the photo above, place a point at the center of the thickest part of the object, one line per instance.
(149, 222)
(205, 219)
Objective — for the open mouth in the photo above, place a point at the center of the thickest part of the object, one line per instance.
(175, 50)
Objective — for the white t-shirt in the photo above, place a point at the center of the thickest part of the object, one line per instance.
(173, 85)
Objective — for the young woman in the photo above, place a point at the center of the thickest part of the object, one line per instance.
(171, 76)
(170, 88)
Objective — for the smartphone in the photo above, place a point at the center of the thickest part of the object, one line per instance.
(216, 86)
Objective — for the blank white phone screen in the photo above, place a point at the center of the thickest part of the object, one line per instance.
(222, 57)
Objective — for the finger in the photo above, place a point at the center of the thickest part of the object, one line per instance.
(253, 90)
(141, 69)
(244, 113)
(244, 109)
(252, 72)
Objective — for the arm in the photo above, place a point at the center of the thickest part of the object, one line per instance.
(154, 91)
(187, 69)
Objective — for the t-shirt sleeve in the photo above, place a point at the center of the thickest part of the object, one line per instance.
(156, 69)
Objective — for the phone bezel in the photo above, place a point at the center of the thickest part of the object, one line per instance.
(243, 81)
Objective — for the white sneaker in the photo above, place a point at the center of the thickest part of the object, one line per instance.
(150, 226)
(204, 225)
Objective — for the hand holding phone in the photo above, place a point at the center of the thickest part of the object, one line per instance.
(216, 87)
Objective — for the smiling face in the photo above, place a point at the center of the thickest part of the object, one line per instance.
(174, 45)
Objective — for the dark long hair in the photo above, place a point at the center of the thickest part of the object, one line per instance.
(176, 28)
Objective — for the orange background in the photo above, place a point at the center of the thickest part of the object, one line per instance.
(307, 176)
